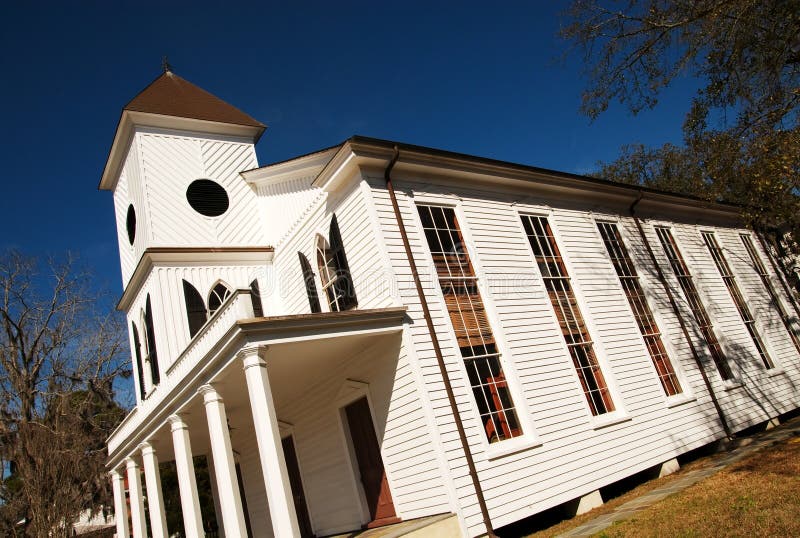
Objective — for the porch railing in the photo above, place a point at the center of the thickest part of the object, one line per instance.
(238, 306)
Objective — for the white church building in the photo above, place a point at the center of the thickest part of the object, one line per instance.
(379, 332)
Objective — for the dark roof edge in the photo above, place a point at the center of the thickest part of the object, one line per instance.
(356, 139)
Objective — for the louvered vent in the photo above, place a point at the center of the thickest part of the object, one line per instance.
(207, 197)
(130, 223)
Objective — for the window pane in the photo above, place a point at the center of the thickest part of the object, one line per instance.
(470, 323)
(565, 305)
(693, 298)
(623, 264)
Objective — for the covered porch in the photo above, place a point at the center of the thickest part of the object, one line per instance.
(290, 414)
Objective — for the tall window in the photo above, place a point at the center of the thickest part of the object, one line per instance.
(562, 297)
(138, 352)
(334, 271)
(693, 298)
(773, 295)
(219, 294)
(470, 323)
(196, 313)
(150, 340)
(629, 279)
(311, 286)
(733, 288)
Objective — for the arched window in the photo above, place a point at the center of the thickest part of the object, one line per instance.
(255, 298)
(334, 270)
(311, 286)
(150, 339)
(219, 293)
(137, 350)
(195, 308)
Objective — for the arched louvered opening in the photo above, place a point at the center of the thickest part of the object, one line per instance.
(311, 286)
(255, 298)
(137, 350)
(219, 294)
(150, 339)
(327, 273)
(196, 313)
(334, 272)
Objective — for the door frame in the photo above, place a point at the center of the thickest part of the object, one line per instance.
(351, 391)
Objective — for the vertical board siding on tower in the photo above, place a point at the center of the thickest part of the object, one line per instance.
(574, 458)
(165, 286)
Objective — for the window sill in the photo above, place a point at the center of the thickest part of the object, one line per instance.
(732, 384)
(611, 419)
(776, 371)
(677, 400)
(511, 446)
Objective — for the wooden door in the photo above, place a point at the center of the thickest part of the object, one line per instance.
(370, 464)
(300, 506)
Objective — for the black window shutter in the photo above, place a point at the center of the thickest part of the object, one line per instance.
(195, 308)
(311, 286)
(138, 351)
(150, 335)
(344, 281)
(255, 297)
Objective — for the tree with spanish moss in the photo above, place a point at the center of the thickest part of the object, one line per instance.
(741, 128)
(58, 364)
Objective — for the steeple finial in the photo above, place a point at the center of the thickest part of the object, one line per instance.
(165, 65)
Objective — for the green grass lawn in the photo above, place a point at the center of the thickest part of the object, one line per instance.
(759, 496)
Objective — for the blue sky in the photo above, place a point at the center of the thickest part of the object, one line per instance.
(474, 77)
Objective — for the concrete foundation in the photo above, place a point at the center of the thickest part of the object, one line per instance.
(669, 467)
(589, 501)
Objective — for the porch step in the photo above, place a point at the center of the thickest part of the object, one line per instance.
(439, 526)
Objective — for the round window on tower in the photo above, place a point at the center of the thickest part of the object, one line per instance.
(207, 197)
(130, 223)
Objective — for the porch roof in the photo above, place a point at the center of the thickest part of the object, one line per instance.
(216, 347)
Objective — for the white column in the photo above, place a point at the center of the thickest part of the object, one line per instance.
(224, 466)
(270, 449)
(187, 483)
(120, 506)
(136, 498)
(215, 494)
(155, 496)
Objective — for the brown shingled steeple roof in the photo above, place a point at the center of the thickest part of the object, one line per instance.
(171, 95)
(170, 102)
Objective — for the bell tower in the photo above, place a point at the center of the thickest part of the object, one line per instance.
(186, 219)
(174, 171)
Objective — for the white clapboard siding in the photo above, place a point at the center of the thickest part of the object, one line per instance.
(371, 285)
(585, 458)
(286, 203)
(414, 476)
(170, 162)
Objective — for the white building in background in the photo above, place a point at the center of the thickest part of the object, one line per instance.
(564, 332)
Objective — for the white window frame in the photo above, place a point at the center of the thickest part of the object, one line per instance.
(529, 438)
(759, 326)
(647, 285)
(708, 305)
(620, 413)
